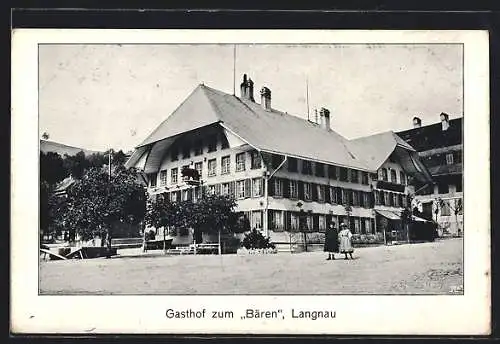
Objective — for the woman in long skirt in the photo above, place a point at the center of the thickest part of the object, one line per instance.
(331, 241)
(345, 237)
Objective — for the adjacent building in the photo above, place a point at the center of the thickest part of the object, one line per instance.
(285, 172)
(440, 147)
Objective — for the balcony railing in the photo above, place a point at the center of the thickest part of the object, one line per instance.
(382, 184)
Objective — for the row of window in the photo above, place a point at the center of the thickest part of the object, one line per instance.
(323, 170)
(443, 158)
(225, 168)
(282, 220)
(392, 176)
(296, 189)
(197, 147)
(390, 199)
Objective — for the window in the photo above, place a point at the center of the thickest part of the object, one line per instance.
(333, 195)
(443, 187)
(345, 198)
(211, 189)
(256, 219)
(395, 200)
(174, 154)
(343, 174)
(364, 178)
(212, 143)
(294, 189)
(309, 222)
(320, 169)
(306, 167)
(185, 195)
(445, 209)
(449, 159)
(224, 189)
(152, 179)
(402, 178)
(198, 147)
(366, 200)
(224, 142)
(393, 176)
(212, 167)
(277, 220)
(163, 177)
(186, 150)
(458, 185)
(321, 193)
(384, 174)
(198, 166)
(278, 187)
(240, 162)
(354, 176)
(257, 187)
(173, 176)
(184, 168)
(292, 165)
(240, 189)
(294, 221)
(332, 172)
(173, 196)
(322, 223)
(376, 195)
(225, 164)
(355, 201)
(368, 227)
(256, 160)
(307, 191)
(387, 198)
(357, 227)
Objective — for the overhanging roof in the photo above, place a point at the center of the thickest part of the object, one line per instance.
(388, 214)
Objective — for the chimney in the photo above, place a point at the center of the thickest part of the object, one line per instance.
(250, 89)
(247, 88)
(265, 98)
(417, 122)
(445, 124)
(244, 87)
(324, 118)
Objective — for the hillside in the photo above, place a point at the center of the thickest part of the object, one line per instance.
(62, 149)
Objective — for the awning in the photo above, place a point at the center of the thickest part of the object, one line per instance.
(389, 214)
(419, 219)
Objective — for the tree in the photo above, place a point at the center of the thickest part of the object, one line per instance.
(52, 169)
(45, 136)
(161, 213)
(96, 202)
(76, 164)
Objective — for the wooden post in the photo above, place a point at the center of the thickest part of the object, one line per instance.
(219, 248)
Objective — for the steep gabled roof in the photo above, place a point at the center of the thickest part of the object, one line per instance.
(375, 149)
(266, 130)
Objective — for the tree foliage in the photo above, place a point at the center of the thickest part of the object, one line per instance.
(255, 240)
(95, 202)
(52, 169)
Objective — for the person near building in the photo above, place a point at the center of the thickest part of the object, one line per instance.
(331, 241)
(345, 239)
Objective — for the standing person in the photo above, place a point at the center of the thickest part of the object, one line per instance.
(345, 236)
(331, 241)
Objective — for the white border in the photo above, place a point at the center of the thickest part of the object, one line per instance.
(431, 315)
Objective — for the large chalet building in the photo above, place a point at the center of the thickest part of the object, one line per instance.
(440, 148)
(279, 167)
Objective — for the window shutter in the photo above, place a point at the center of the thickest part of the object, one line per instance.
(232, 186)
(288, 220)
(286, 188)
(315, 223)
(190, 194)
(270, 185)
(301, 189)
(217, 189)
(261, 187)
(178, 196)
(248, 188)
(270, 221)
(314, 191)
(327, 194)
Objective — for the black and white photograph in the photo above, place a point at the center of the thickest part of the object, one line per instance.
(242, 168)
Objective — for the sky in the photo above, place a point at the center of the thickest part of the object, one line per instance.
(112, 96)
